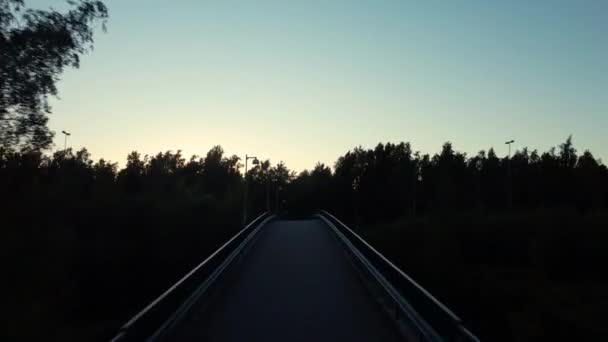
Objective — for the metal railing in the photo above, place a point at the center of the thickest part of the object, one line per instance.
(423, 313)
(153, 322)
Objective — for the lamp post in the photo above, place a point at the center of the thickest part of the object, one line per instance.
(509, 180)
(65, 140)
(509, 143)
(255, 162)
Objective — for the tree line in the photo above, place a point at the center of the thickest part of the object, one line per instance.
(93, 243)
(513, 245)
(392, 181)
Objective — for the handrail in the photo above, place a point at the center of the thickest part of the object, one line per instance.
(411, 297)
(164, 310)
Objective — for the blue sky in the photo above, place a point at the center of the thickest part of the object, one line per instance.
(305, 81)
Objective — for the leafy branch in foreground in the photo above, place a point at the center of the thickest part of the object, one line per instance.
(35, 48)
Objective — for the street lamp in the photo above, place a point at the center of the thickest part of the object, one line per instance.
(255, 162)
(510, 185)
(65, 140)
(509, 143)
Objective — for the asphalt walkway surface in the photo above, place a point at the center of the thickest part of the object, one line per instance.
(295, 284)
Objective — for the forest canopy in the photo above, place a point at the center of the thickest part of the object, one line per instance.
(159, 215)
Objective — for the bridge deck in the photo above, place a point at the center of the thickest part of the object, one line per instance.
(294, 285)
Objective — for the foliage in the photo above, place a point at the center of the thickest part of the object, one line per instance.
(390, 182)
(35, 47)
(512, 245)
(94, 244)
(510, 277)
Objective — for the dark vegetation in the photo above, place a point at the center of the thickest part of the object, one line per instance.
(514, 245)
(35, 47)
(89, 245)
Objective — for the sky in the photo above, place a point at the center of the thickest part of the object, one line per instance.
(306, 81)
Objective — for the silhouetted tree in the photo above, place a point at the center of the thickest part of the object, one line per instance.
(280, 177)
(389, 181)
(74, 223)
(131, 177)
(220, 173)
(35, 47)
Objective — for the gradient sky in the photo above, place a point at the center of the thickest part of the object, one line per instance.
(305, 81)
